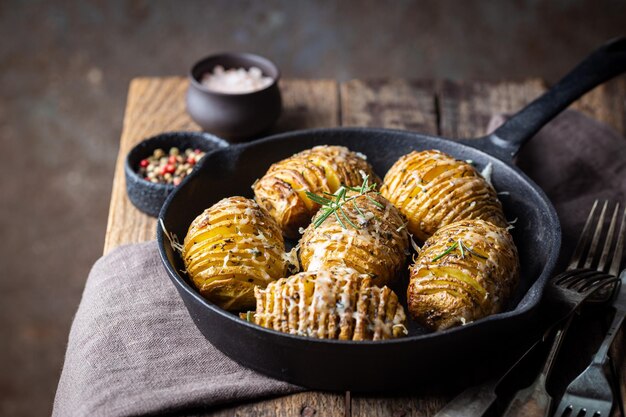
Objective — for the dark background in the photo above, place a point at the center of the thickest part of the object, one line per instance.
(65, 68)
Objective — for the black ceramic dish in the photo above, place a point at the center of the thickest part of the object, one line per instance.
(235, 117)
(147, 196)
(421, 358)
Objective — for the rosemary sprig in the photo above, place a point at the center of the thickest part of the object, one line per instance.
(332, 204)
(356, 207)
(462, 248)
(174, 242)
(447, 251)
(347, 218)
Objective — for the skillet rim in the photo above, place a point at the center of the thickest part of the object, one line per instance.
(538, 284)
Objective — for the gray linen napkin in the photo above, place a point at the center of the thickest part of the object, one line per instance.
(133, 349)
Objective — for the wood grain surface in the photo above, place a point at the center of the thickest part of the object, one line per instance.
(452, 109)
(466, 107)
(393, 104)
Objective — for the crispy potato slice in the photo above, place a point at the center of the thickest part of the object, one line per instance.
(368, 234)
(232, 247)
(338, 303)
(465, 271)
(322, 169)
(432, 189)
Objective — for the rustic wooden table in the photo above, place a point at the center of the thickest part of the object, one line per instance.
(450, 109)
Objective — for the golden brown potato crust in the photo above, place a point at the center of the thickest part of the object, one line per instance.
(282, 190)
(378, 246)
(433, 189)
(331, 304)
(232, 247)
(465, 271)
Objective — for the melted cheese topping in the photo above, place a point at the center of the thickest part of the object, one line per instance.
(377, 246)
(322, 169)
(232, 247)
(338, 303)
(465, 271)
(433, 189)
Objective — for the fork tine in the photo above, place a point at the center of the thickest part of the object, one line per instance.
(619, 247)
(586, 281)
(609, 240)
(596, 237)
(601, 281)
(582, 240)
(571, 280)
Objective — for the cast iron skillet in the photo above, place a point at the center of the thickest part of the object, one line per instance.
(421, 357)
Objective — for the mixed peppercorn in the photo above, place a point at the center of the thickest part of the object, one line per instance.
(170, 167)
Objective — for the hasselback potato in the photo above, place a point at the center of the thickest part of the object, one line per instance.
(282, 190)
(433, 189)
(330, 304)
(367, 234)
(465, 271)
(232, 247)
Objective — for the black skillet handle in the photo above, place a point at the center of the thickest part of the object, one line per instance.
(603, 64)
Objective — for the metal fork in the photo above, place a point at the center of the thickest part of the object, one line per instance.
(590, 393)
(576, 285)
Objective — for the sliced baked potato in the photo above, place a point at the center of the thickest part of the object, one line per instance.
(330, 304)
(232, 247)
(367, 233)
(432, 189)
(465, 271)
(322, 169)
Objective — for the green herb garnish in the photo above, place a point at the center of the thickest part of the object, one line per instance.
(462, 248)
(447, 251)
(332, 204)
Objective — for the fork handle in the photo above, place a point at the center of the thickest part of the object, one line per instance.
(601, 355)
(534, 400)
(556, 346)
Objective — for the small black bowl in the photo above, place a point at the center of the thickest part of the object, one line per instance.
(148, 196)
(235, 117)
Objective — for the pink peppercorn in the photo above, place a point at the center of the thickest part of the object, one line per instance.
(170, 167)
